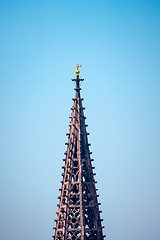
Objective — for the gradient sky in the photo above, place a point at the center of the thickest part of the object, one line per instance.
(118, 44)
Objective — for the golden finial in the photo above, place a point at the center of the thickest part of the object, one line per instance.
(77, 71)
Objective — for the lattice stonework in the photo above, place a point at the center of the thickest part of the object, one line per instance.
(78, 216)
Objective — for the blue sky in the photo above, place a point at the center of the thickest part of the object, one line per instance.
(117, 43)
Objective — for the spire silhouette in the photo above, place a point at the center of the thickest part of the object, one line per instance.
(78, 216)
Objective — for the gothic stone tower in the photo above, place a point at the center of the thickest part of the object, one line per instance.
(78, 216)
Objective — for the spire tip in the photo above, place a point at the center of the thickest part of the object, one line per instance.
(77, 71)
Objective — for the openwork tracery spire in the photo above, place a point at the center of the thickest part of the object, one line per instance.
(78, 216)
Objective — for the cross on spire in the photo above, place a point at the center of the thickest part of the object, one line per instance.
(77, 80)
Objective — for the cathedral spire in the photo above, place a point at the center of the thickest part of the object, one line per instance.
(78, 216)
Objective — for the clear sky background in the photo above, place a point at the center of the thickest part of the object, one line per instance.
(118, 44)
